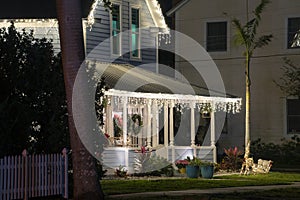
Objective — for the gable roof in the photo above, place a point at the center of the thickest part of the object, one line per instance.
(154, 8)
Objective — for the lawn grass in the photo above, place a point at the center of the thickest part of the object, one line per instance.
(123, 186)
(274, 194)
(111, 187)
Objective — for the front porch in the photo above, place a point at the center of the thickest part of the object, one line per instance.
(136, 119)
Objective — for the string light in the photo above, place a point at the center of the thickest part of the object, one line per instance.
(181, 102)
(91, 16)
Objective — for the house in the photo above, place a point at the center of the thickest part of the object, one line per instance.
(273, 114)
(119, 40)
(37, 16)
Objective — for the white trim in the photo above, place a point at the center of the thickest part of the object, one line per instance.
(139, 58)
(166, 125)
(149, 123)
(285, 117)
(157, 15)
(84, 27)
(192, 123)
(286, 33)
(228, 37)
(120, 34)
(124, 116)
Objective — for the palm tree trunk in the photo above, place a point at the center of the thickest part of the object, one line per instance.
(247, 104)
(86, 183)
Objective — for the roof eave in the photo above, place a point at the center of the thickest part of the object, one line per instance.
(157, 15)
(177, 7)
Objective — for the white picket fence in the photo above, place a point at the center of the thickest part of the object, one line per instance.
(25, 176)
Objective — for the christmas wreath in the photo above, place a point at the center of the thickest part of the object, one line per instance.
(135, 124)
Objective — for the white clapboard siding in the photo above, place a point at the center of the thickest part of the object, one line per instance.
(26, 176)
(100, 33)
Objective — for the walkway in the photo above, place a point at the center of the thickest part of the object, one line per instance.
(204, 191)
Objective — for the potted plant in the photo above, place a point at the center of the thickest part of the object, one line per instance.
(192, 169)
(207, 169)
(181, 165)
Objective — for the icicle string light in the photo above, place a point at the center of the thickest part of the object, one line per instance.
(181, 102)
(91, 16)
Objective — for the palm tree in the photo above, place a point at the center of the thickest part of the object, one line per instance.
(246, 36)
(86, 183)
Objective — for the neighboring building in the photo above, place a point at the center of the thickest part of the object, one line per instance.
(273, 115)
(36, 15)
(41, 28)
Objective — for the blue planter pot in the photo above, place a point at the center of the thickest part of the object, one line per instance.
(207, 171)
(192, 171)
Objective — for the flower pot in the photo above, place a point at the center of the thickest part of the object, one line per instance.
(207, 171)
(182, 170)
(192, 171)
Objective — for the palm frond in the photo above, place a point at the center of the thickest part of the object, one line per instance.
(258, 10)
(262, 41)
(240, 36)
(253, 24)
(250, 30)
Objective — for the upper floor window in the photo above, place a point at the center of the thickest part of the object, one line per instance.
(293, 116)
(135, 33)
(116, 30)
(216, 36)
(293, 33)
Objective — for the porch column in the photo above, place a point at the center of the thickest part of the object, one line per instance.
(213, 134)
(109, 118)
(125, 101)
(171, 124)
(154, 124)
(141, 134)
(166, 128)
(149, 114)
(192, 106)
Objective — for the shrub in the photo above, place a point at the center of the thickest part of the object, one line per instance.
(287, 153)
(152, 165)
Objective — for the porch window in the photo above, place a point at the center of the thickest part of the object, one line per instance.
(135, 33)
(293, 116)
(293, 33)
(216, 36)
(115, 30)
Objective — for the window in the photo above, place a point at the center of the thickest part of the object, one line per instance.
(293, 116)
(115, 30)
(135, 33)
(293, 33)
(216, 36)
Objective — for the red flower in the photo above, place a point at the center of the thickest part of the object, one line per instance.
(181, 163)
